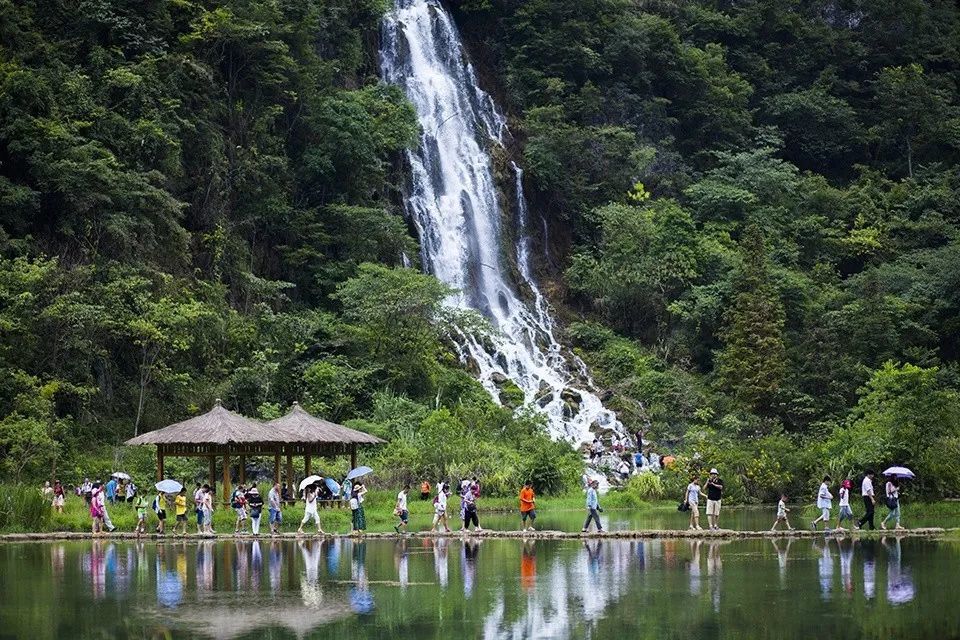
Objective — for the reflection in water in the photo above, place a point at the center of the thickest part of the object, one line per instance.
(900, 588)
(528, 589)
(361, 599)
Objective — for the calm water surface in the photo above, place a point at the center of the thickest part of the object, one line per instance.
(419, 588)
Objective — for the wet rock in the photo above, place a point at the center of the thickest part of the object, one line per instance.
(498, 378)
(571, 395)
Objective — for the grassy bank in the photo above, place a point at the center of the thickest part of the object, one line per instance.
(378, 509)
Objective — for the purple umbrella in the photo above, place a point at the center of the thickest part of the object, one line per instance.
(899, 472)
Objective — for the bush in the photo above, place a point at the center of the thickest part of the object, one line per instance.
(643, 487)
(23, 508)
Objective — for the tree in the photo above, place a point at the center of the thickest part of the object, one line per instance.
(752, 364)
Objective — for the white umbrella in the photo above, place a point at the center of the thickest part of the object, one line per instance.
(306, 482)
(899, 472)
(169, 486)
(119, 475)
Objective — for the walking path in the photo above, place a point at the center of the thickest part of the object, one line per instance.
(929, 532)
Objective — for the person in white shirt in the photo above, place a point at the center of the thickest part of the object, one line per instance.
(782, 512)
(869, 500)
(845, 512)
(400, 510)
(310, 510)
(693, 501)
(824, 503)
(440, 508)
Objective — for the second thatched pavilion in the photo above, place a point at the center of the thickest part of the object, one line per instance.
(221, 433)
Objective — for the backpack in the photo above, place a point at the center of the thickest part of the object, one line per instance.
(156, 504)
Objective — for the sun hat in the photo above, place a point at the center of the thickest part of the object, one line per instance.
(714, 470)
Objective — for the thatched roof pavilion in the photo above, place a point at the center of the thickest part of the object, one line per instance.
(223, 433)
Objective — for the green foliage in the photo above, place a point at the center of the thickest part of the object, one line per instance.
(23, 508)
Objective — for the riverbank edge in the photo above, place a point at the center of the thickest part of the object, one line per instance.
(644, 534)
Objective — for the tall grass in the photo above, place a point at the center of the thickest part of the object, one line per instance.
(23, 508)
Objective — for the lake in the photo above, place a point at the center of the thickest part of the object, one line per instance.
(494, 588)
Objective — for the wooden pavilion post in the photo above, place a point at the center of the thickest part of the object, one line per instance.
(226, 477)
(291, 484)
(212, 467)
(159, 462)
(243, 470)
(306, 465)
(353, 456)
(276, 467)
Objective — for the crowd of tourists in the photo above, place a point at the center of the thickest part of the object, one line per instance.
(248, 505)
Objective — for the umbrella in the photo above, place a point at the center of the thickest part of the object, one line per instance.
(169, 486)
(358, 472)
(899, 472)
(119, 475)
(332, 485)
(306, 482)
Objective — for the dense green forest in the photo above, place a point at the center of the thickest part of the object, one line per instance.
(752, 213)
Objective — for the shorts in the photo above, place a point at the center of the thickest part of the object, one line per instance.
(532, 514)
(275, 516)
(199, 516)
(161, 515)
(310, 514)
(241, 513)
(142, 515)
(713, 507)
(845, 513)
(825, 513)
(181, 517)
(404, 516)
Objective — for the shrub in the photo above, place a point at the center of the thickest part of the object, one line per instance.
(23, 508)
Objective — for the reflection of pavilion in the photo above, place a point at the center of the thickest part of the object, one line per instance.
(227, 621)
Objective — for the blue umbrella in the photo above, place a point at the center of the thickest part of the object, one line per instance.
(332, 485)
(359, 471)
(169, 486)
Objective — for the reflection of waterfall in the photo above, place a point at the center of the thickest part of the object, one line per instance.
(455, 204)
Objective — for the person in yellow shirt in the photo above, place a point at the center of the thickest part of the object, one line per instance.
(180, 503)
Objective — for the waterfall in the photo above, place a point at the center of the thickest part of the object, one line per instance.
(454, 204)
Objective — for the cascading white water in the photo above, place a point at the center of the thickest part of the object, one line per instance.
(454, 204)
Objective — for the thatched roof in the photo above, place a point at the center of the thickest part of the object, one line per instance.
(300, 426)
(221, 426)
(217, 426)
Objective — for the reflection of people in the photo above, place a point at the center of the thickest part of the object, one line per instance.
(401, 558)
(440, 561)
(825, 569)
(528, 565)
(361, 599)
(694, 567)
(900, 589)
(869, 568)
(846, 560)
(469, 565)
(782, 554)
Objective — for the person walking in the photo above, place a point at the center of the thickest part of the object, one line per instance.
(714, 496)
(255, 503)
(400, 510)
(111, 490)
(198, 507)
(359, 519)
(130, 491)
(239, 504)
(207, 509)
(692, 497)
(845, 512)
(59, 497)
(782, 512)
(470, 510)
(158, 508)
(96, 510)
(593, 507)
(140, 504)
(310, 510)
(528, 506)
(869, 501)
(440, 507)
(892, 491)
(180, 512)
(274, 503)
(465, 488)
(824, 503)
